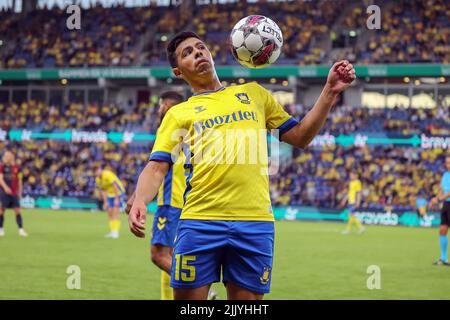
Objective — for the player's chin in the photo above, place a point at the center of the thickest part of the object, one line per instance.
(204, 68)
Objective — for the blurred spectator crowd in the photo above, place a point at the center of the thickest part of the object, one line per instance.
(143, 117)
(401, 121)
(64, 169)
(32, 115)
(391, 176)
(411, 31)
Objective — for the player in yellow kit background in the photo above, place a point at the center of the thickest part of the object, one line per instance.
(113, 194)
(170, 203)
(353, 200)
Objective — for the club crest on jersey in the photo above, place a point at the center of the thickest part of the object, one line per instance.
(266, 275)
(243, 98)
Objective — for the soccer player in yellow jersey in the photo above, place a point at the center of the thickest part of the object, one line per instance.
(113, 193)
(353, 200)
(170, 202)
(226, 225)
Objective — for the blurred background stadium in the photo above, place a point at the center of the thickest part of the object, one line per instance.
(70, 99)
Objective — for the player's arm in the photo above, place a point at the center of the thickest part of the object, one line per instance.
(147, 188)
(117, 192)
(440, 197)
(358, 199)
(130, 202)
(168, 140)
(105, 199)
(343, 201)
(341, 75)
(4, 185)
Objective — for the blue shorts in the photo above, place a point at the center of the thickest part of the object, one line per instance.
(243, 250)
(351, 208)
(112, 202)
(165, 225)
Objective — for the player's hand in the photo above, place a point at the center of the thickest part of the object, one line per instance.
(130, 203)
(105, 206)
(434, 201)
(8, 190)
(137, 218)
(340, 77)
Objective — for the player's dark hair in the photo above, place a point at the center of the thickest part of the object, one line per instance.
(174, 43)
(172, 95)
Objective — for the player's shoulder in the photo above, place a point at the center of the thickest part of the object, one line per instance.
(107, 173)
(252, 85)
(179, 110)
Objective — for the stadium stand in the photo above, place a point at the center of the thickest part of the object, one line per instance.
(137, 36)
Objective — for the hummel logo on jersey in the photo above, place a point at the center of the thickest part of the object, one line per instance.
(243, 97)
(199, 109)
(161, 222)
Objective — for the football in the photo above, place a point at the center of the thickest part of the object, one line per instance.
(256, 41)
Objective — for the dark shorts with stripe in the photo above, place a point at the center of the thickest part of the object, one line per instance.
(445, 214)
(8, 201)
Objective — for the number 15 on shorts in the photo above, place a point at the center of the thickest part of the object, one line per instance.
(182, 267)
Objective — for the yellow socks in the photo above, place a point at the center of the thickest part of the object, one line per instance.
(114, 226)
(166, 290)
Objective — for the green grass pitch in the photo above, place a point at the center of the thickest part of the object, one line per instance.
(312, 261)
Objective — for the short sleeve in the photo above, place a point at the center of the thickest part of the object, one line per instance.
(1, 168)
(168, 140)
(445, 181)
(276, 116)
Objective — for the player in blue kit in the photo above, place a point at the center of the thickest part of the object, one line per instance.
(226, 225)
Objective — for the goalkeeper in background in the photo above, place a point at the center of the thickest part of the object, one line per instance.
(113, 194)
(353, 200)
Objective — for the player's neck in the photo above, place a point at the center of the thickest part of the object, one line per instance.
(212, 85)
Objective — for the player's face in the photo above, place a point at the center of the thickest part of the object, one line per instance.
(194, 59)
(8, 158)
(98, 172)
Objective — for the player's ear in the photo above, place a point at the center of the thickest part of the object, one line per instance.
(177, 72)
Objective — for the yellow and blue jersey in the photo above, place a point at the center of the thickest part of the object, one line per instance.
(355, 187)
(222, 182)
(108, 182)
(172, 189)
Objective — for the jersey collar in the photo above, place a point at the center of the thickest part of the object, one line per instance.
(209, 91)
